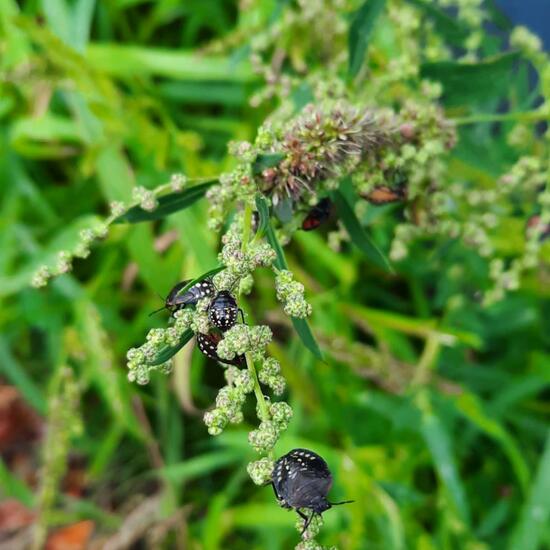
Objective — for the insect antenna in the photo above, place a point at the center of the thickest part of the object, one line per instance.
(342, 502)
(156, 311)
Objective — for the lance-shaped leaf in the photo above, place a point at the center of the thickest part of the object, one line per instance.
(300, 325)
(360, 30)
(167, 352)
(263, 213)
(359, 237)
(465, 83)
(167, 204)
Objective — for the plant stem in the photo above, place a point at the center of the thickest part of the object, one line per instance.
(257, 389)
(247, 223)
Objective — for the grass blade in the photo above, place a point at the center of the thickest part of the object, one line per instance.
(300, 325)
(529, 531)
(356, 232)
(359, 33)
(167, 204)
(263, 212)
(438, 441)
(167, 352)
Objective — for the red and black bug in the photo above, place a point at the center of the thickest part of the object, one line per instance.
(301, 480)
(319, 214)
(383, 194)
(176, 301)
(223, 310)
(208, 344)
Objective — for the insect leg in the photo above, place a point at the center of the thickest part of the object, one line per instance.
(242, 316)
(307, 520)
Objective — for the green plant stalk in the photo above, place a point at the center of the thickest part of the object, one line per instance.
(247, 224)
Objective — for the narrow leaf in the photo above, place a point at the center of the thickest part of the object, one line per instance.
(439, 443)
(450, 28)
(465, 83)
(268, 160)
(529, 532)
(167, 204)
(263, 212)
(360, 30)
(167, 352)
(300, 325)
(358, 235)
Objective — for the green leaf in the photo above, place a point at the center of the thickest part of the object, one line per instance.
(466, 83)
(263, 212)
(167, 204)
(300, 325)
(449, 27)
(167, 352)
(529, 532)
(267, 160)
(358, 235)
(438, 441)
(360, 30)
(14, 487)
(128, 61)
(280, 261)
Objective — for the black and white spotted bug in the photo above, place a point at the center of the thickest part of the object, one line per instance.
(223, 310)
(301, 480)
(208, 344)
(176, 300)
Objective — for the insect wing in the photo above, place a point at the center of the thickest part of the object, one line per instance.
(208, 345)
(317, 215)
(384, 195)
(305, 478)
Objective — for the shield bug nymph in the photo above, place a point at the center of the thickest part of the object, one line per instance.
(208, 344)
(223, 310)
(301, 480)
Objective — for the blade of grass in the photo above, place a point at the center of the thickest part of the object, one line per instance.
(438, 441)
(529, 531)
(362, 25)
(135, 61)
(300, 325)
(358, 235)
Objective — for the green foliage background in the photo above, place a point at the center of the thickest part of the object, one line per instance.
(434, 419)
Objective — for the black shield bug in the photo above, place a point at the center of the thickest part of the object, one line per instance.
(176, 300)
(223, 310)
(208, 344)
(301, 480)
(317, 215)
